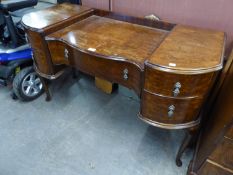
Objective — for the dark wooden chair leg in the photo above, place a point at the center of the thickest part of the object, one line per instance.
(185, 144)
(46, 88)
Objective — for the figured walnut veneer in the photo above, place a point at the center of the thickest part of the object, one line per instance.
(146, 56)
(53, 15)
(190, 49)
(112, 38)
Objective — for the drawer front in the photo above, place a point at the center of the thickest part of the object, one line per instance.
(116, 71)
(210, 169)
(176, 85)
(59, 52)
(223, 154)
(40, 54)
(169, 110)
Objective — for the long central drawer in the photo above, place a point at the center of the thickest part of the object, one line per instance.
(114, 70)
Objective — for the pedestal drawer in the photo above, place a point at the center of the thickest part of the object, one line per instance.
(167, 110)
(59, 52)
(176, 85)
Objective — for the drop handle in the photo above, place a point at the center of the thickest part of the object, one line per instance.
(126, 74)
(176, 90)
(66, 53)
(171, 110)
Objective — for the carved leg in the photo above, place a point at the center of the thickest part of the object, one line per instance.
(46, 88)
(186, 142)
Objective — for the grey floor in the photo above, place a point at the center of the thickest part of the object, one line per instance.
(83, 131)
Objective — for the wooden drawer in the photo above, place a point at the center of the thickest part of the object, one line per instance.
(40, 55)
(159, 109)
(116, 71)
(58, 52)
(211, 169)
(165, 83)
(223, 154)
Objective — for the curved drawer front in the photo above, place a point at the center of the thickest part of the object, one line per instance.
(176, 85)
(40, 54)
(167, 110)
(58, 52)
(116, 71)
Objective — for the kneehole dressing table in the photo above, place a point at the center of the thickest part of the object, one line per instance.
(172, 68)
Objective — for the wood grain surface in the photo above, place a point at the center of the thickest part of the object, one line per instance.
(156, 107)
(213, 169)
(112, 38)
(223, 154)
(106, 45)
(46, 17)
(108, 69)
(157, 81)
(189, 48)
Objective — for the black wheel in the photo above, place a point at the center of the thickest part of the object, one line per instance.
(27, 85)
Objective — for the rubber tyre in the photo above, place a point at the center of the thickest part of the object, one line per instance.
(17, 85)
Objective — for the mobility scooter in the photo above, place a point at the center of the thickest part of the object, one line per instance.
(16, 65)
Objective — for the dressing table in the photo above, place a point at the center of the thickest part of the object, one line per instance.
(171, 67)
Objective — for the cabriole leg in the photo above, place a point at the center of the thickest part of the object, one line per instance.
(46, 88)
(190, 135)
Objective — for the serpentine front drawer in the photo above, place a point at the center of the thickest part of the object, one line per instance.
(59, 52)
(117, 71)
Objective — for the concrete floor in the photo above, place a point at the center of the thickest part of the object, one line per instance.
(83, 131)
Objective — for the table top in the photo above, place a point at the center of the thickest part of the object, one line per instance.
(185, 48)
(190, 48)
(46, 17)
(112, 38)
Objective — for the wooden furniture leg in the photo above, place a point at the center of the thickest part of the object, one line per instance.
(46, 88)
(190, 135)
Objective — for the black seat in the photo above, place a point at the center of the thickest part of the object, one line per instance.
(13, 5)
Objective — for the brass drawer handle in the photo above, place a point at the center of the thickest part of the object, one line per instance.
(66, 54)
(126, 74)
(171, 110)
(176, 90)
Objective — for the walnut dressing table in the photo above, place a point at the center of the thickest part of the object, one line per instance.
(171, 67)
